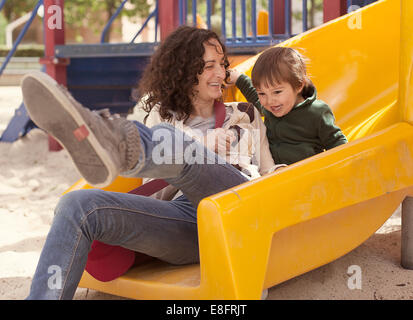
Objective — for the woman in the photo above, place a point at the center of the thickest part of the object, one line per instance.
(182, 85)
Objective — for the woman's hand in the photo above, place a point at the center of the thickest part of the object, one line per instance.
(219, 140)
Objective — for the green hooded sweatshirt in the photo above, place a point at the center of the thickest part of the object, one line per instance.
(308, 129)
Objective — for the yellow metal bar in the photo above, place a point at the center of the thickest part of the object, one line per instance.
(406, 61)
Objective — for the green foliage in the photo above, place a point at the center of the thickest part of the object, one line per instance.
(24, 51)
(313, 7)
(81, 12)
(14, 9)
(3, 23)
(86, 12)
(95, 13)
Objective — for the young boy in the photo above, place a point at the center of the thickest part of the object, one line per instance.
(298, 124)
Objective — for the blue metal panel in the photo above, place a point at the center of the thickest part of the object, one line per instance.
(117, 100)
(105, 50)
(360, 3)
(104, 75)
(105, 82)
(19, 125)
(115, 71)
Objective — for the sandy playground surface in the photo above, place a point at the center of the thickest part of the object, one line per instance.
(32, 179)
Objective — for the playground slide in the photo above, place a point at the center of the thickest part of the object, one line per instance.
(272, 229)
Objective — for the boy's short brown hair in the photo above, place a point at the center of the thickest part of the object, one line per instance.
(280, 64)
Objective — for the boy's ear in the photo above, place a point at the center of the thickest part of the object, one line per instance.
(300, 89)
(306, 82)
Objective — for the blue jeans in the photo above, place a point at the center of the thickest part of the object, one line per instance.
(166, 230)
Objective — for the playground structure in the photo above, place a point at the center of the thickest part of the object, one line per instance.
(325, 206)
(103, 75)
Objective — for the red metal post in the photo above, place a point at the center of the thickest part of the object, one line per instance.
(333, 9)
(54, 33)
(279, 17)
(168, 16)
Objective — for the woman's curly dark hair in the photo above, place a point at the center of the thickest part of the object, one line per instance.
(169, 79)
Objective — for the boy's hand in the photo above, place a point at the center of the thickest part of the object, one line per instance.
(278, 167)
(233, 77)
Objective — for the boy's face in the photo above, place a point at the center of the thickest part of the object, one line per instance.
(280, 98)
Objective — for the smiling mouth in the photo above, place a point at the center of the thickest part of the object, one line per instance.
(276, 108)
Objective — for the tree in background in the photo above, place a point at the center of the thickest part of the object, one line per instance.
(14, 9)
(3, 24)
(313, 7)
(82, 12)
(86, 12)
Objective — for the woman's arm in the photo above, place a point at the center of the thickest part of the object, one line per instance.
(262, 149)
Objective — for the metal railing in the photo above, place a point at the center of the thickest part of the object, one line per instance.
(154, 13)
(243, 33)
(233, 37)
(237, 34)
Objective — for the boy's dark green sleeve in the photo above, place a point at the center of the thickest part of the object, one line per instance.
(244, 84)
(330, 134)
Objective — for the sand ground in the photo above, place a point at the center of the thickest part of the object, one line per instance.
(32, 179)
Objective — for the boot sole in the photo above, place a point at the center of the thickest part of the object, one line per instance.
(52, 111)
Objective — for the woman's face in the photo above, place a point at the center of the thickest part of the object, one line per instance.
(212, 77)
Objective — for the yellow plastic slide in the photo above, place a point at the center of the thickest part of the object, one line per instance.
(269, 230)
